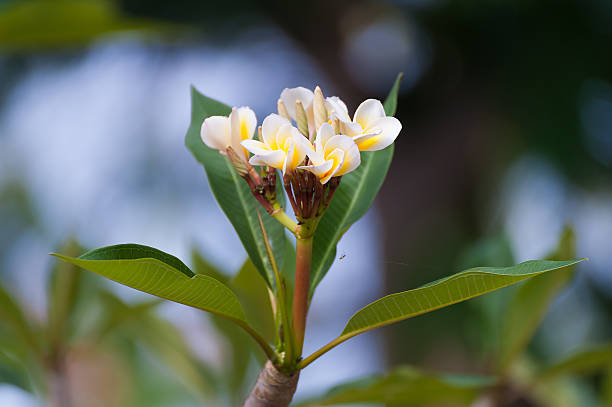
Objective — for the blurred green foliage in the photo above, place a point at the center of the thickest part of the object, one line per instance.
(516, 377)
(87, 323)
(29, 25)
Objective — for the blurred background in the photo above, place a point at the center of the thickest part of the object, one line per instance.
(506, 109)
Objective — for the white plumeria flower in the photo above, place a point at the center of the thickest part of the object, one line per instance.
(289, 96)
(371, 128)
(337, 108)
(333, 156)
(283, 146)
(221, 132)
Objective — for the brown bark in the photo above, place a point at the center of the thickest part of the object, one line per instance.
(273, 388)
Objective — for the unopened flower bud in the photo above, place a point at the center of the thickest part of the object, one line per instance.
(301, 120)
(320, 112)
(336, 126)
(282, 109)
(237, 162)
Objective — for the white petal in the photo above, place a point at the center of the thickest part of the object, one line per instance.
(340, 141)
(274, 159)
(234, 130)
(289, 157)
(301, 144)
(215, 132)
(319, 170)
(234, 123)
(336, 107)
(297, 147)
(351, 129)
(290, 96)
(389, 128)
(352, 158)
(284, 135)
(270, 127)
(248, 122)
(325, 132)
(337, 156)
(368, 111)
(316, 157)
(255, 147)
(362, 138)
(242, 127)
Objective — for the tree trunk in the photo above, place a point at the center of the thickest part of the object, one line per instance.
(273, 388)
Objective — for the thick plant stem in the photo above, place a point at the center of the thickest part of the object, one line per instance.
(273, 388)
(300, 294)
(60, 389)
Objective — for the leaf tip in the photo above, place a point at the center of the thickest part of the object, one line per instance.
(61, 256)
(193, 91)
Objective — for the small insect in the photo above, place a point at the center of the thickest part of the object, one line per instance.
(342, 256)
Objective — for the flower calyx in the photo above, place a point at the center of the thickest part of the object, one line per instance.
(262, 188)
(308, 197)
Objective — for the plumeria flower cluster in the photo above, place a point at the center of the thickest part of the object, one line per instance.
(312, 140)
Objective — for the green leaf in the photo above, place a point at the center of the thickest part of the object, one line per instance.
(583, 362)
(250, 288)
(351, 201)
(565, 392)
(231, 191)
(63, 287)
(390, 103)
(163, 341)
(529, 303)
(438, 294)
(14, 364)
(407, 386)
(447, 291)
(158, 273)
(201, 266)
(114, 316)
(253, 294)
(15, 323)
(237, 359)
(607, 388)
(288, 272)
